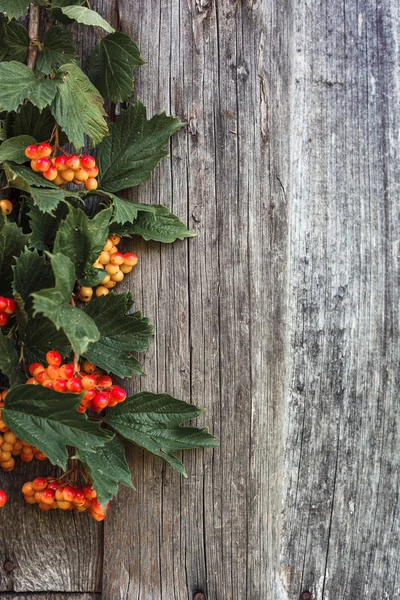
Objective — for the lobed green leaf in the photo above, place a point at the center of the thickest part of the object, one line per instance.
(86, 16)
(14, 9)
(111, 66)
(57, 50)
(50, 421)
(18, 82)
(9, 360)
(14, 148)
(134, 148)
(12, 242)
(153, 422)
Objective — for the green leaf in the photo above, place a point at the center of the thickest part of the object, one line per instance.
(56, 12)
(14, 148)
(44, 226)
(17, 41)
(134, 148)
(91, 276)
(160, 226)
(153, 422)
(50, 421)
(47, 200)
(3, 37)
(9, 360)
(53, 303)
(82, 239)
(40, 336)
(111, 66)
(107, 467)
(18, 82)
(58, 49)
(78, 107)
(125, 211)
(14, 9)
(86, 16)
(120, 335)
(12, 242)
(32, 272)
(31, 121)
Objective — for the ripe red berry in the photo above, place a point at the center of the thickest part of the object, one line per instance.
(87, 398)
(31, 152)
(118, 393)
(3, 303)
(59, 385)
(39, 484)
(53, 358)
(3, 498)
(6, 207)
(117, 258)
(48, 496)
(41, 376)
(104, 381)
(93, 172)
(51, 174)
(73, 162)
(69, 493)
(130, 259)
(74, 385)
(89, 492)
(100, 402)
(34, 368)
(60, 163)
(48, 384)
(34, 166)
(44, 150)
(3, 319)
(91, 183)
(53, 371)
(79, 498)
(43, 164)
(11, 306)
(66, 371)
(89, 162)
(88, 382)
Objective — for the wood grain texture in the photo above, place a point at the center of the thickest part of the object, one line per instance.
(216, 301)
(57, 596)
(341, 528)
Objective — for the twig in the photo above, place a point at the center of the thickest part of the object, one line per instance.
(34, 14)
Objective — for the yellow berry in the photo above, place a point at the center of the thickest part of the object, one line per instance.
(117, 277)
(101, 290)
(112, 269)
(67, 175)
(105, 280)
(115, 238)
(104, 258)
(110, 284)
(125, 269)
(6, 207)
(108, 246)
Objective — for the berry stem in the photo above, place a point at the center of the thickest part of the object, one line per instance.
(34, 14)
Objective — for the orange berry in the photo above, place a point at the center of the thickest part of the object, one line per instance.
(6, 207)
(31, 151)
(44, 150)
(89, 367)
(104, 258)
(89, 162)
(117, 258)
(81, 175)
(117, 277)
(34, 166)
(115, 238)
(73, 162)
(101, 291)
(51, 174)
(130, 259)
(43, 164)
(53, 358)
(60, 162)
(67, 175)
(91, 183)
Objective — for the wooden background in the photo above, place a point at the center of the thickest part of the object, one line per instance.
(281, 317)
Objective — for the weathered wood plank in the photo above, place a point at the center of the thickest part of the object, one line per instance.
(341, 475)
(56, 596)
(216, 300)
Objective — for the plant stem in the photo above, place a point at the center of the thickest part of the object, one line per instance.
(34, 14)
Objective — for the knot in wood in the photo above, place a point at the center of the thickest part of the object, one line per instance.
(306, 595)
(199, 596)
(9, 566)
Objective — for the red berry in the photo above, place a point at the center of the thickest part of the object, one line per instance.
(53, 358)
(3, 319)
(41, 376)
(117, 258)
(81, 408)
(130, 259)
(76, 367)
(48, 496)
(79, 498)
(3, 304)
(39, 484)
(88, 382)
(54, 485)
(89, 162)
(3, 498)
(34, 368)
(91, 183)
(59, 385)
(69, 493)
(48, 384)
(89, 491)
(104, 381)
(73, 162)
(100, 402)
(87, 398)
(74, 385)
(66, 371)
(11, 306)
(93, 172)
(31, 152)
(60, 163)
(43, 164)
(51, 174)
(44, 150)
(118, 394)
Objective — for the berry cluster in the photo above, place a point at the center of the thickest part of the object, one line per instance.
(11, 446)
(63, 169)
(116, 264)
(98, 388)
(7, 308)
(6, 206)
(50, 492)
